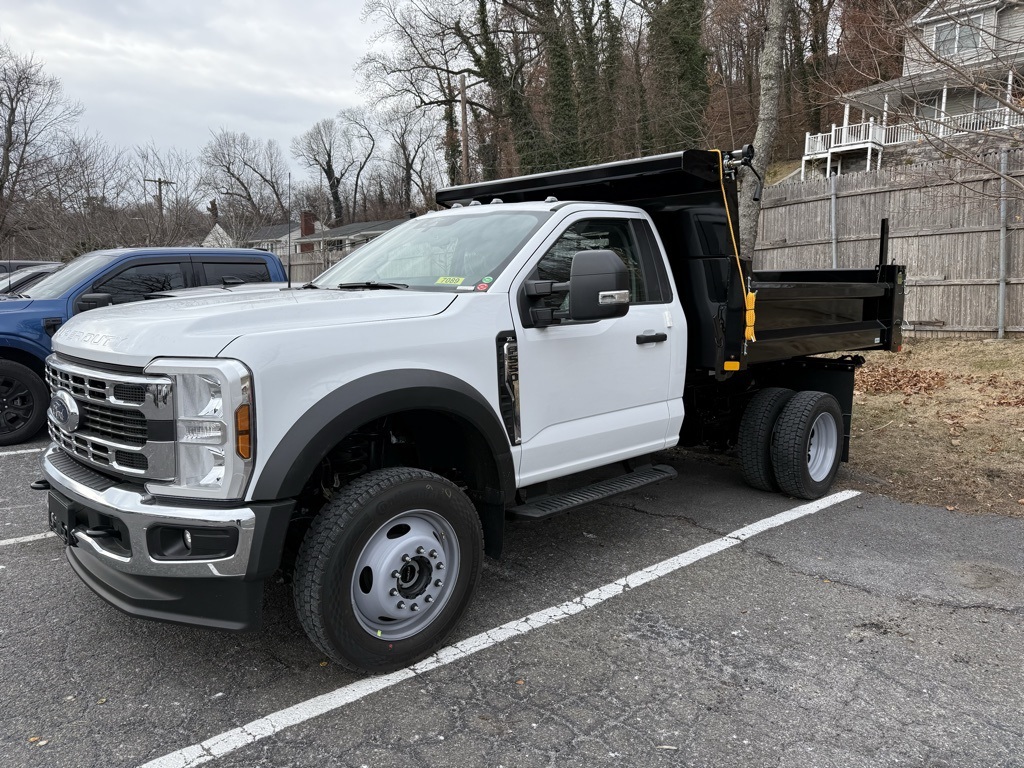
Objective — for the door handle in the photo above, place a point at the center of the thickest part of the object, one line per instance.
(651, 338)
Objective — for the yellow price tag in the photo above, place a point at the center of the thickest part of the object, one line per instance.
(450, 281)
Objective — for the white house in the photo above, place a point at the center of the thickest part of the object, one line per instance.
(961, 77)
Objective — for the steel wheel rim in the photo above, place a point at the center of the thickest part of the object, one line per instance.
(405, 574)
(16, 404)
(822, 447)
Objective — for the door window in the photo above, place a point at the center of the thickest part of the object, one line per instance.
(592, 235)
(252, 272)
(135, 282)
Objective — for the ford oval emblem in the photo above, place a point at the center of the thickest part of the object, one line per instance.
(64, 411)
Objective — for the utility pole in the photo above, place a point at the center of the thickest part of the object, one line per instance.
(160, 201)
(465, 132)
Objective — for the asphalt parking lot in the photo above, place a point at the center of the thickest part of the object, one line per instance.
(869, 633)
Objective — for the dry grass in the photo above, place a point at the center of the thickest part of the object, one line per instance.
(942, 423)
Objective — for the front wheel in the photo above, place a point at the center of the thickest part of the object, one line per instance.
(23, 403)
(387, 569)
(807, 444)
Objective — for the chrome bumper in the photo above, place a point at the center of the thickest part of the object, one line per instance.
(138, 512)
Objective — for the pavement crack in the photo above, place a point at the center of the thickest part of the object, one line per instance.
(913, 599)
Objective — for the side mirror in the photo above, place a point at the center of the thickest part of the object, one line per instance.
(89, 301)
(598, 286)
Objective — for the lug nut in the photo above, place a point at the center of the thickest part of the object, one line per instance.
(433, 553)
(414, 607)
(395, 574)
(440, 566)
(393, 592)
(406, 558)
(428, 599)
(438, 583)
(419, 550)
(401, 605)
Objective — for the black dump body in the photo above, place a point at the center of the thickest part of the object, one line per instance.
(692, 199)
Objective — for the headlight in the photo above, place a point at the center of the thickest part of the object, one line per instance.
(214, 435)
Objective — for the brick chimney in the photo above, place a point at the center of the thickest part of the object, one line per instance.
(306, 227)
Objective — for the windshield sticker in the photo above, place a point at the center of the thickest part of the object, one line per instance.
(465, 288)
(482, 287)
(450, 281)
(487, 280)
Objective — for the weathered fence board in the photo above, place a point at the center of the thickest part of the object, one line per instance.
(945, 222)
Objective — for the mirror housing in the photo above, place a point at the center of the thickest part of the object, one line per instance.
(89, 301)
(598, 286)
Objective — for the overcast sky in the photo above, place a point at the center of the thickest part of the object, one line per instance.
(172, 71)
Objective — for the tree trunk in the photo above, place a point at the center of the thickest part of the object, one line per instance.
(767, 117)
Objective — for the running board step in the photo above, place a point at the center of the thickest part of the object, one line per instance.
(563, 502)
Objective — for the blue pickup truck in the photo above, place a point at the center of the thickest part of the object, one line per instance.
(28, 320)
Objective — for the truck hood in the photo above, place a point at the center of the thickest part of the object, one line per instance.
(135, 334)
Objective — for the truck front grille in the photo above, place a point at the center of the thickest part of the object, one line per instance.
(120, 424)
(116, 414)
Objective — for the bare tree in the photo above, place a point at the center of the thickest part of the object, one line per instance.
(770, 72)
(35, 116)
(360, 144)
(323, 147)
(249, 175)
(411, 137)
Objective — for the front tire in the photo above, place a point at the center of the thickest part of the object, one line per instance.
(387, 569)
(807, 445)
(23, 402)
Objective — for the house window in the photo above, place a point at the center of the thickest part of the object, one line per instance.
(954, 37)
(928, 107)
(983, 102)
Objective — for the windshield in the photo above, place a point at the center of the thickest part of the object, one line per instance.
(54, 286)
(447, 252)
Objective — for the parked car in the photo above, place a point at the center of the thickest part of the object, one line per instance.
(13, 265)
(97, 279)
(26, 277)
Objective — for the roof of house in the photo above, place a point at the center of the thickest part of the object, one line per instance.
(353, 230)
(271, 232)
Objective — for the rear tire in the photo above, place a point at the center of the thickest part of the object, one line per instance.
(756, 426)
(807, 445)
(24, 399)
(387, 569)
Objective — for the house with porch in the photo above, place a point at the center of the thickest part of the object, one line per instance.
(961, 82)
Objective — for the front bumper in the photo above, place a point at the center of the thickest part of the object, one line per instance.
(110, 531)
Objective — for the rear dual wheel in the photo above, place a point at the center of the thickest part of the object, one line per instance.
(792, 442)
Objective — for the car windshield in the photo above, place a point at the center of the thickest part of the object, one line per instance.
(444, 252)
(13, 277)
(54, 286)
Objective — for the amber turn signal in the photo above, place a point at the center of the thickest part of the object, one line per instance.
(243, 439)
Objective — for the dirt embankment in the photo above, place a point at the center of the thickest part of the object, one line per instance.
(942, 423)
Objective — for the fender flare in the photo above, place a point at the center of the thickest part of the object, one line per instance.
(350, 406)
(24, 345)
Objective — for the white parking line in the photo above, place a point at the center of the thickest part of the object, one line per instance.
(229, 741)
(25, 539)
(23, 450)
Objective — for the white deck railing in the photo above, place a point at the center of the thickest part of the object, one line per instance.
(870, 133)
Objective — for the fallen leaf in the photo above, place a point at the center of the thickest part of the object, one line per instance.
(323, 663)
(43, 743)
(34, 739)
(520, 682)
(101, 701)
(951, 509)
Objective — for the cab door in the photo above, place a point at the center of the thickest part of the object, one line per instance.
(591, 393)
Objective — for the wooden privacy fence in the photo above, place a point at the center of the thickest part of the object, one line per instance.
(957, 225)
